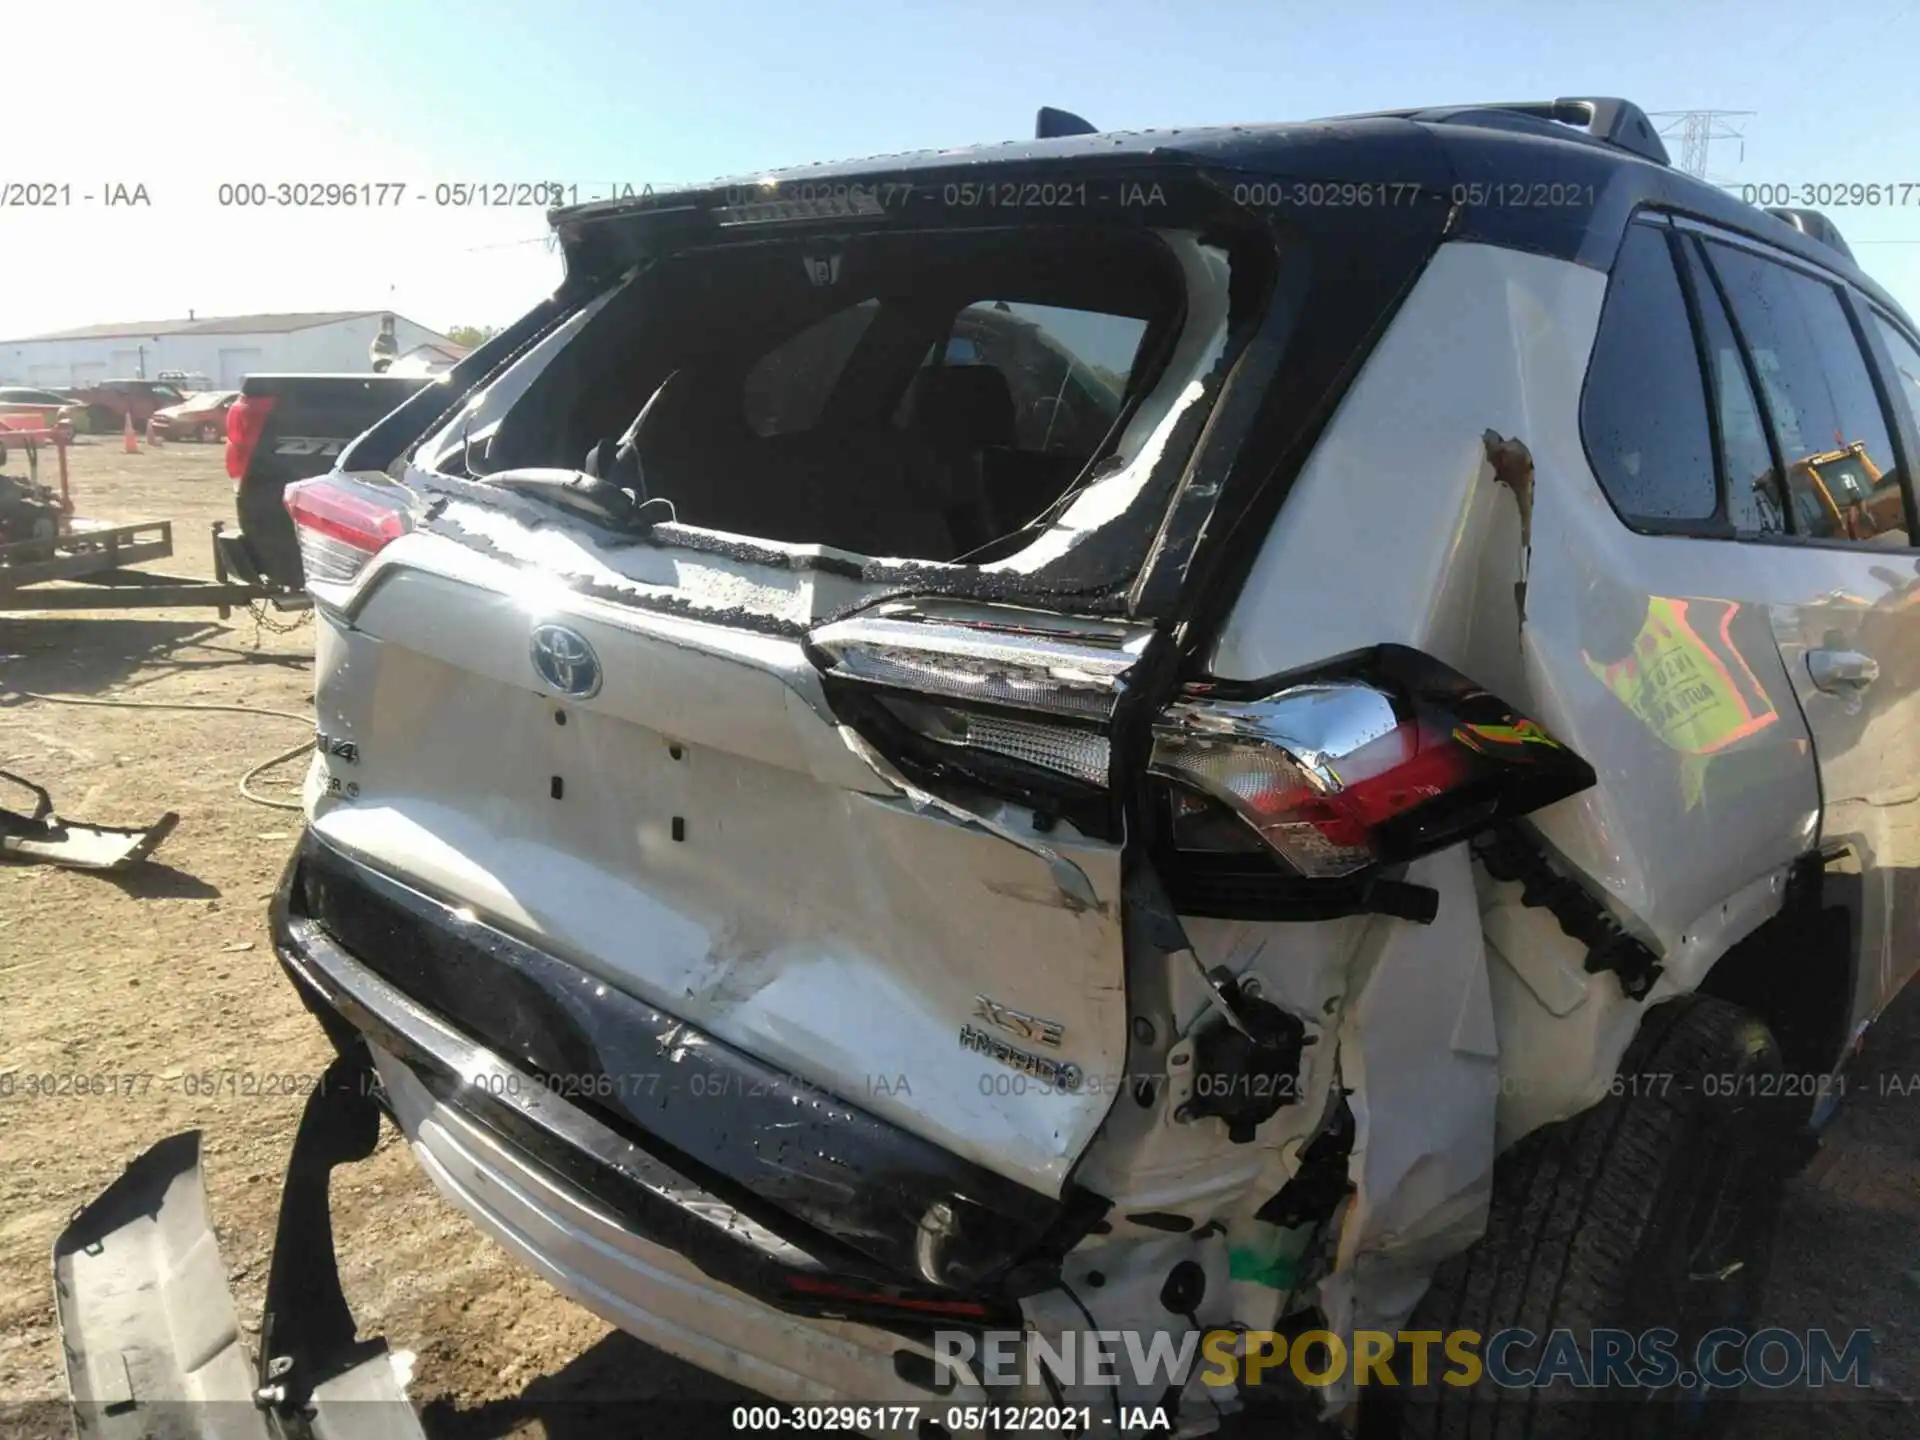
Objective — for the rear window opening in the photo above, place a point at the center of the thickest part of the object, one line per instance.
(932, 395)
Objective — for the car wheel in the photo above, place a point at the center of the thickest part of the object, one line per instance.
(1654, 1208)
(209, 433)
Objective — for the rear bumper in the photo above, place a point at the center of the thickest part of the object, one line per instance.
(766, 1182)
(647, 1289)
(672, 1242)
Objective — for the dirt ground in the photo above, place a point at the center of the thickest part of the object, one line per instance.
(164, 982)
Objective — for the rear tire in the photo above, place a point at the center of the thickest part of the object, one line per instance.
(1654, 1208)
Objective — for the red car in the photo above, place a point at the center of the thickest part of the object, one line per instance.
(110, 401)
(198, 417)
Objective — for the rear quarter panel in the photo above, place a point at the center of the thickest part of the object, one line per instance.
(1397, 530)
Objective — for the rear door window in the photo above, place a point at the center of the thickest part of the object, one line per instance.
(1644, 413)
(1819, 395)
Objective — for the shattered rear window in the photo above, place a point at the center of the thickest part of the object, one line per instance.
(928, 396)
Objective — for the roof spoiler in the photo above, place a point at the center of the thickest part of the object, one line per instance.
(1050, 123)
(1606, 118)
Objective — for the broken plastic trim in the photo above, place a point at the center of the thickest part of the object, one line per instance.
(1509, 855)
(48, 838)
(146, 1316)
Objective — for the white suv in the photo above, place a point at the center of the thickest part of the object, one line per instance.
(1260, 729)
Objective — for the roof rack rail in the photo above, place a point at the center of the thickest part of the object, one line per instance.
(1606, 118)
(1815, 226)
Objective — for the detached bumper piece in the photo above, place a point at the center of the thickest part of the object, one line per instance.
(44, 837)
(147, 1321)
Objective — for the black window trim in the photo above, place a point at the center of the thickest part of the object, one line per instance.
(1706, 527)
(1721, 520)
(1741, 241)
(1698, 262)
(1903, 425)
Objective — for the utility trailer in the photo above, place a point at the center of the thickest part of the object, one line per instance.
(100, 556)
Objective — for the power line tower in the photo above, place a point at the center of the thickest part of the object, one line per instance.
(1696, 130)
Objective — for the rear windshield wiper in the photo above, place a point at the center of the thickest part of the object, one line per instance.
(588, 496)
(597, 492)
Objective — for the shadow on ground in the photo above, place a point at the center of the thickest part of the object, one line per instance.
(620, 1386)
(83, 657)
(153, 880)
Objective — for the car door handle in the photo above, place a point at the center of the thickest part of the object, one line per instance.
(1839, 672)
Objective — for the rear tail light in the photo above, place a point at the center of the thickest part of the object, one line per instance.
(342, 523)
(1072, 751)
(1373, 760)
(246, 421)
(993, 697)
(1369, 760)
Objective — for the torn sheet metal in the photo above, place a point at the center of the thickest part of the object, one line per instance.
(1420, 1057)
(46, 838)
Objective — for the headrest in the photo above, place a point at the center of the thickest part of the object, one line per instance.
(962, 406)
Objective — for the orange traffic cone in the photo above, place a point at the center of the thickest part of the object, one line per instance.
(128, 442)
(153, 433)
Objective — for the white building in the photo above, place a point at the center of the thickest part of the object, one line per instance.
(436, 357)
(224, 349)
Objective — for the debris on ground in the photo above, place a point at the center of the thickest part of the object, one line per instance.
(48, 839)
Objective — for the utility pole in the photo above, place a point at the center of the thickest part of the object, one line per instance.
(1696, 130)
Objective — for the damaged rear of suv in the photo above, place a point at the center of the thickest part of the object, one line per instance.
(848, 815)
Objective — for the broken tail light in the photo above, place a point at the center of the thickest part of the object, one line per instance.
(1371, 760)
(246, 423)
(1012, 701)
(342, 523)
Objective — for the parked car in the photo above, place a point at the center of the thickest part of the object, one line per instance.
(1317, 797)
(199, 417)
(53, 411)
(110, 402)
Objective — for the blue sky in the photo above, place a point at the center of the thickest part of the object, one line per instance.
(187, 95)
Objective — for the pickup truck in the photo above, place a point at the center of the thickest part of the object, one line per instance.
(285, 428)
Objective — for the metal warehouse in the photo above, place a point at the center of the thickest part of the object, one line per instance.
(223, 349)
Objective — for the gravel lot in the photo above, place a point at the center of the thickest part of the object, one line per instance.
(164, 978)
